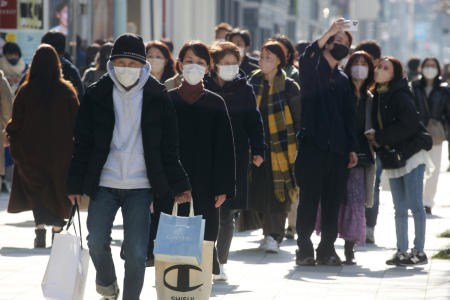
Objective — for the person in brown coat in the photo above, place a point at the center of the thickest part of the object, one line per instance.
(5, 114)
(41, 138)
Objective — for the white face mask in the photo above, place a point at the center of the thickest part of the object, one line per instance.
(360, 72)
(430, 72)
(229, 72)
(127, 76)
(220, 40)
(242, 52)
(382, 76)
(157, 64)
(193, 73)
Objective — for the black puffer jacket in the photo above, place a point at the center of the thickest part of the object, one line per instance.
(94, 131)
(402, 128)
(436, 106)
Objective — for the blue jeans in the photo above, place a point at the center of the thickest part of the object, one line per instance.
(102, 211)
(407, 193)
(372, 213)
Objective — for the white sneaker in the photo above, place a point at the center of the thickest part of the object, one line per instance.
(263, 243)
(370, 236)
(222, 276)
(272, 246)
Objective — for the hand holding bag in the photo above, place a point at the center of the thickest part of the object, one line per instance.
(181, 280)
(67, 268)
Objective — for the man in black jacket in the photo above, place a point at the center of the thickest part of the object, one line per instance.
(126, 152)
(70, 72)
(241, 38)
(327, 142)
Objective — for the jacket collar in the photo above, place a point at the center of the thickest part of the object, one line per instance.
(398, 86)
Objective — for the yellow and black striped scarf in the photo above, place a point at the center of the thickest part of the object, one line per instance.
(283, 143)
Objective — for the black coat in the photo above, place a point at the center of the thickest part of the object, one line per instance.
(94, 130)
(328, 103)
(436, 106)
(248, 65)
(401, 123)
(362, 112)
(261, 187)
(70, 73)
(247, 127)
(207, 154)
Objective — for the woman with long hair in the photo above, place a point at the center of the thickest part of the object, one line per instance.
(432, 99)
(161, 61)
(41, 138)
(401, 142)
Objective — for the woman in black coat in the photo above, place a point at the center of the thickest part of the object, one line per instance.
(206, 142)
(401, 142)
(432, 100)
(248, 131)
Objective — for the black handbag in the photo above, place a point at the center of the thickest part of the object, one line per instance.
(390, 158)
(364, 161)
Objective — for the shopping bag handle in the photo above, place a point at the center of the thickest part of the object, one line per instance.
(191, 208)
(75, 208)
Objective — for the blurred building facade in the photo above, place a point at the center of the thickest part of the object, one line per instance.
(404, 28)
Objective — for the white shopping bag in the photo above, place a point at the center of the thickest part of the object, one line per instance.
(67, 268)
(185, 281)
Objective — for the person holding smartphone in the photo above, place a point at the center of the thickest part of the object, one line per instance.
(327, 142)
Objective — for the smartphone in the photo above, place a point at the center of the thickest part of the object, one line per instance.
(352, 25)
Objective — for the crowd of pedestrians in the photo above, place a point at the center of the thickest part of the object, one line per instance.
(298, 136)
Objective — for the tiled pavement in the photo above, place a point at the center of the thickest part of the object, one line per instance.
(254, 274)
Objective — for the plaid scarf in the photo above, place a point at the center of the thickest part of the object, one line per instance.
(283, 143)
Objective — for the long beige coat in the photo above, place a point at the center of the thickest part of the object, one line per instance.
(6, 98)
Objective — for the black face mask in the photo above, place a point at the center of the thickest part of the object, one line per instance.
(13, 61)
(339, 51)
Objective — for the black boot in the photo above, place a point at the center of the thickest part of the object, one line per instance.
(39, 240)
(349, 250)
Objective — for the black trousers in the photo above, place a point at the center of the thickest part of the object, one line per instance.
(43, 216)
(321, 176)
(226, 232)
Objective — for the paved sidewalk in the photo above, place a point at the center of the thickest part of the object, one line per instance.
(254, 274)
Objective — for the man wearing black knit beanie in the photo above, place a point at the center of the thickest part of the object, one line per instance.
(126, 151)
